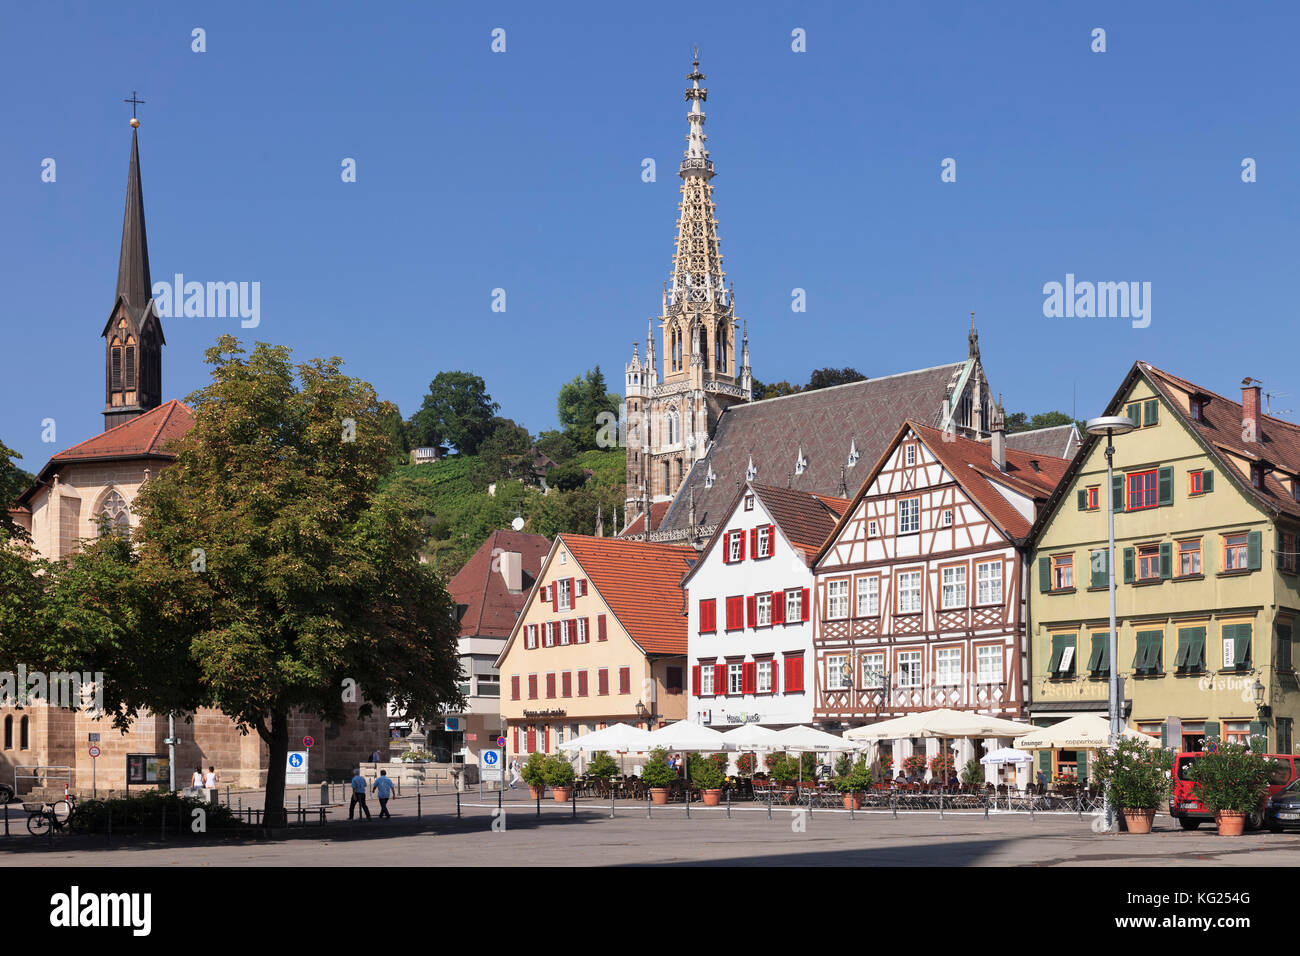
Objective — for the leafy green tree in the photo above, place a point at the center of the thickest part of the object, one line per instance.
(506, 452)
(13, 482)
(273, 574)
(1020, 422)
(827, 377)
(580, 403)
(457, 410)
(763, 390)
(557, 446)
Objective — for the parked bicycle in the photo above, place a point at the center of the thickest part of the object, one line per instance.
(44, 817)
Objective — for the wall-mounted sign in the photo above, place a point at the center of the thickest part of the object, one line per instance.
(146, 769)
(544, 713)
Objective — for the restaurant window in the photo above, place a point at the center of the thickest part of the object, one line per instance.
(763, 604)
(947, 665)
(988, 582)
(837, 599)
(869, 596)
(954, 587)
(909, 515)
(1236, 732)
(1148, 562)
(909, 592)
(837, 677)
(735, 678)
(873, 671)
(1141, 490)
(909, 669)
(1062, 572)
(988, 662)
(1189, 557)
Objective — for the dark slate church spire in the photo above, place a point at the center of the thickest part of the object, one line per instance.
(133, 336)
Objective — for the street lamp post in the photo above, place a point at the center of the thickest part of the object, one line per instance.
(1110, 426)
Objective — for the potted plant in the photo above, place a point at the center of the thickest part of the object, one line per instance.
(783, 769)
(770, 758)
(942, 767)
(558, 774)
(533, 773)
(706, 775)
(745, 764)
(658, 776)
(886, 762)
(843, 765)
(1231, 780)
(853, 784)
(722, 760)
(914, 766)
(1134, 776)
(972, 775)
(602, 766)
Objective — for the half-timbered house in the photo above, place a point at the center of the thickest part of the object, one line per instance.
(920, 597)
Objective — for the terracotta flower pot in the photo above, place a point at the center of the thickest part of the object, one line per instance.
(659, 795)
(853, 801)
(561, 794)
(535, 792)
(1139, 821)
(1230, 822)
(712, 797)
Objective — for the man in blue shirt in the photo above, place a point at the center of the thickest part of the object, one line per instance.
(383, 790)
(358, 795)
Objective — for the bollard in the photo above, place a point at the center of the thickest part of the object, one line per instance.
(499, 792)
(417, 805)
(573, 795)
(108, 839)
(458, 805)
(893, 802)
(852, 802)
(986, 809)
(6, 819)
(647, 803)
(539, 800)
(728, 803)
(769, 800)
(611, 802)
(940, 804)
(227, 794)
(163, 834)
(688, 803)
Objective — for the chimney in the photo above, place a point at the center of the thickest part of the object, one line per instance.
(1250, 422)
(512, 571)
(998, 441)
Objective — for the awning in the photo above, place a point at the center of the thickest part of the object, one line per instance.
(939, 723)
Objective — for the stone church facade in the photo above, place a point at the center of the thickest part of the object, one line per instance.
(88, 489)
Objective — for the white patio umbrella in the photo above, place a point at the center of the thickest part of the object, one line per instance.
(616, 737)
(803, 739)
(685, 735)
(1006, 755)
(750, 737)
(939, 723)
(1084, 732)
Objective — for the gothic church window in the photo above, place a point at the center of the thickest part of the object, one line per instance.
(116, 514)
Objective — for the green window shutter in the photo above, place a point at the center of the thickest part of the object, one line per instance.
(1253, 548)
(1278, 550)
(1117, 492)
(1164, 735)
(1105, 654)
(1134, 413)
(1211, 729)
(1083, 499)
(1094, 656)
(1166, 560)
(1196, 651)
(1207, 480)
(1083, 765)
(1184, 648)
(1128, 565)
(1098, 564)
(1058, 648)
(1140, 657)
(1241, 649)
(1165, 486)
(1150, 412)
(1045, 762)
(1259, 729)
(1044, 574)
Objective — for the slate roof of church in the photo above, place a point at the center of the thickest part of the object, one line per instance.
(823, 423)
(1059, 441)
(490, 607)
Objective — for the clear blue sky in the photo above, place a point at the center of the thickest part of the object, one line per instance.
(522, 171)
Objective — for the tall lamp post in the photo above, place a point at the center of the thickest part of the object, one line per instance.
(1110, 426)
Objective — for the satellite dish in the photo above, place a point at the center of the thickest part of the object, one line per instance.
(517, 524)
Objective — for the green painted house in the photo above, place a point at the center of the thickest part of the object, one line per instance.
(1206, 529)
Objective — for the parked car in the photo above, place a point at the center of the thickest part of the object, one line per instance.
(1282, 809)
(1190, 813)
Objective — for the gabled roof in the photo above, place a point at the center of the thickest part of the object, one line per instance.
(970, 463)
(1220, 432)
(1059, 441)
(490, 607)
(146, 436)
(823, 423)
(641, 583)
(637, 525)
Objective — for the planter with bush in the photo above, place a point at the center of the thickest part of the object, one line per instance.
(854, 784)
(783, 768)
(972, 774)
(533, 773)
(558, 774)
(1134, 776)
(1233, 782)
(914, 766)
(658, 776)
(602, 766)
(706, 775)
(942, 767)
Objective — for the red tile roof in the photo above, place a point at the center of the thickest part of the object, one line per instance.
(147, 434)
(490, 607)
(641, 583)
(805, 519)
(657, 511)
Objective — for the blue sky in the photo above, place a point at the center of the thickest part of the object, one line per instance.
(522, 170)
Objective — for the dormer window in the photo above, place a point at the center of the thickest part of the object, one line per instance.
(1257, 476)
(1197, 410)
(749, 502)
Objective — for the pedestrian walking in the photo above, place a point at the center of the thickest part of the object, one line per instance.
(383, 790)
(210, 781)
(515, 779)
(358, 795)
(197, 781)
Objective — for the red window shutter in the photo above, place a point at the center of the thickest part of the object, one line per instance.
(749, 677)
(555, 598)
(546, 739)
(625, 680)
(695, 681)
(741, 536)
(751, 610)
(582, 683)
(805, 606)
(530, 738)
(573, 591)
(776, 674)
(753, 541)
(600, 627)
(532, 686)
(778, 607)
(550, 686)
(586, 629)
(719, 679)
(566, 685)
(516, 739)
(602, 681)
(514, 690)
(771, 539)
(726, 548)
(582, 587)
(794, 671)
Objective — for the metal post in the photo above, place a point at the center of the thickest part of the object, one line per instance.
(458, 805)
(940, 804)
(611, 801)
(893, 802)
(1115, 727)
(418, 807)
(573, 795)
(7, 819)
(171, 752)
(769, 799)
(728, 803)
(539, 800)
(499, 792)
(647, 803)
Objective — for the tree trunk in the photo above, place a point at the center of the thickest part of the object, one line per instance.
(277, 742)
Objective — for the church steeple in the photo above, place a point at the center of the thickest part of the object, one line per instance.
(133, 334)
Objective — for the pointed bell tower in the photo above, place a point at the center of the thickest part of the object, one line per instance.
(133, 335)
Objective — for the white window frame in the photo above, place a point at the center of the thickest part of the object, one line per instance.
(763, 609)
(764, 542)
(953, 587)
(565, 596)
(835, 678)
(909, 454)
(530, 637)
(909, 669)
(582, 631)
(873, 530)
(988, 664)
(548, 637)
(564, 633)
(947, 666)
(763, 677)
(987, 583)
(873, 671)
(735, 678)
(793, 605)
(870, 595)
(909, 519)
(733, 545)
(905, 591)
(706, 680)
(837, 600)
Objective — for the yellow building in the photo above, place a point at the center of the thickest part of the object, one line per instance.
(601, 640)
(1206, 528)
